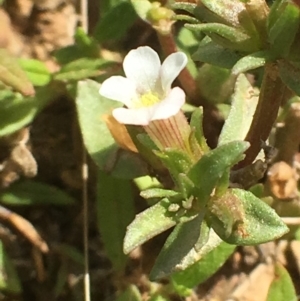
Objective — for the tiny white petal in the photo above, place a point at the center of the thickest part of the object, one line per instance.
(142, 66)
(170, 106)
(132, 116)
(171, 68)
(120, 89)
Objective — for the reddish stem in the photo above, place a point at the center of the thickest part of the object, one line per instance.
(185, 78)
(270, 98)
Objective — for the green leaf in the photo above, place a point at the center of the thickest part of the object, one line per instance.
(84, 47)
(145, 146)
(81, 69)
(142, 8)
(36, 71)
(71, 252)
(225, 36)
(9, 280)
(207, 242)
(188, 243)
(148, 224)
(230, 12)
(147, 183)
(34, 193)
(186, 39)
(212, 53)
(115, 210)
(186, 43)
(131, 293)
(229, 33)
(256, 20)
(61, 278)
(12, 75)
(196, 126)
(215, 84)
(240, 218)
(116, 22)
(91, 109)
(126, 165)
(276, 8)
(223, 12)
(243, 106)
(152, 222)
(107, 5)
(186, 18)
(185, 186)
(184, 281)
(249, 62)
(284, 30)
(210, 168)
(282, 287)
(188, 7)
(17, 111)
(258, 190)
(178, 245)
(297, 234)
(176, 161)
(290, 75)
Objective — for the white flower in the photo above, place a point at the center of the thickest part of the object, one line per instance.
(146, 89)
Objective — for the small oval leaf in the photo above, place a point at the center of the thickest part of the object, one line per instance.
(184, 281)
(212, 53)
(249, 62)
(12, 75)
(92, 109)
(226, 36)
(115, 210)
(17, 111)
(148, 224)
(243, 105)
(282, 287)
(290, 75)
(34, 193)
(211, 167)
(284, 30)
(81, 69)
(36, 71)
(187, 244)
(240, 218)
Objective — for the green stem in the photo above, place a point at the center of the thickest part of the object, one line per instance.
(270, 98)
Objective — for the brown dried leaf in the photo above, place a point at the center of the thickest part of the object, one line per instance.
(20, 159)
(119, 133)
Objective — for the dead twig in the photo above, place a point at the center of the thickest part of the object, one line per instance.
(25, 228)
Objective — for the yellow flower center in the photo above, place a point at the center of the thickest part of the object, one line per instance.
(148, 99)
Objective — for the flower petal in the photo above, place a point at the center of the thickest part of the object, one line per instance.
(120, 89)
(163, 110)
(170, 106)
(132, 116)
(171, 68)
(142, 66)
